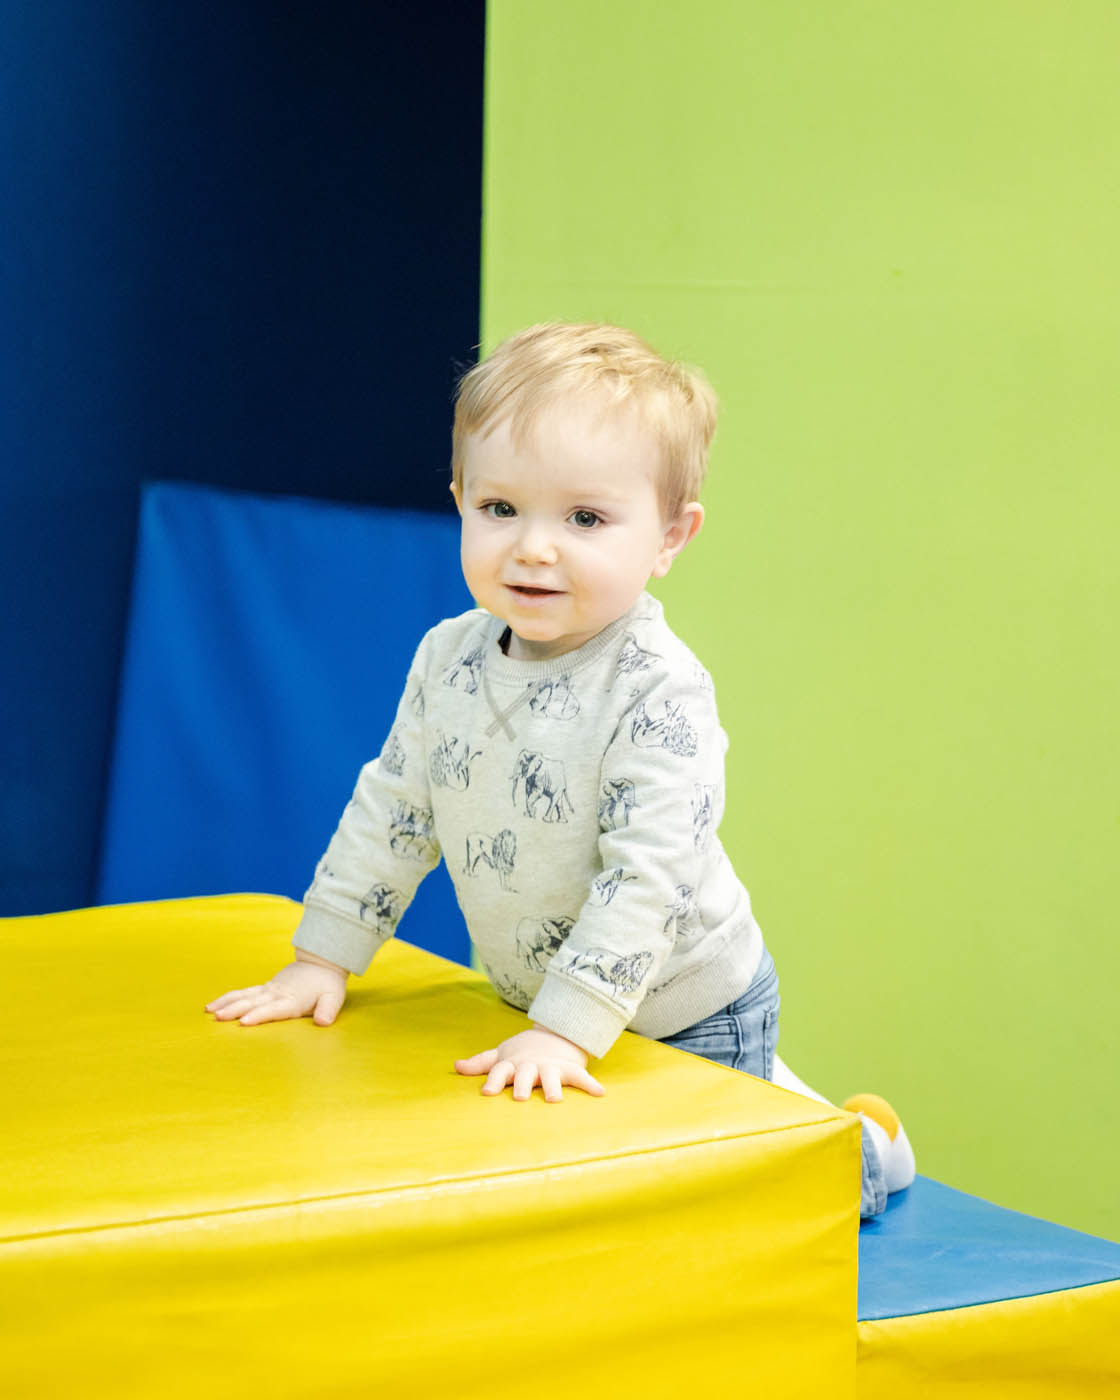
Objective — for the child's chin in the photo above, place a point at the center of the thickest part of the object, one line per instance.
(536, 631)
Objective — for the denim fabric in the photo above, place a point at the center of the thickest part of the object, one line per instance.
(744, 1036)
(872, 1178)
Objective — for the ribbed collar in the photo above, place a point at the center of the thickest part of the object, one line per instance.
(505, 668)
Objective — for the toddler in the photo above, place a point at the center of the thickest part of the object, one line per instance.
(560, 747)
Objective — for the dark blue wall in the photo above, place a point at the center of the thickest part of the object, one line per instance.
(239, 244)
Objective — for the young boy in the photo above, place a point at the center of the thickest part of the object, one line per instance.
(560, 746)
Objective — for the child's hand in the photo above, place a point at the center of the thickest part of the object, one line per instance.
(303, 988)
(529, 1058)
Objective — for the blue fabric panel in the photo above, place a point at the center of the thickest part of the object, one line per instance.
(936, 1248)
(239, 244)
(268, 645)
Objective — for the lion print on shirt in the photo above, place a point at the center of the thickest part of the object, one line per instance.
(410, 832)
(541, 784)
(466, 673)
(383, 904)
(702, 814)
(621, 974)
(670, 730)
(392, 755)
(498, 852)
(539, 939)
(450, 763)
(555, 699)
(606, 886)
(616, 801)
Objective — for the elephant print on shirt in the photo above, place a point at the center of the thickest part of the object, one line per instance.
(383, 904)
(542, 787)
(410, 832)
(539, 939)
(392, 755)
(555, 699)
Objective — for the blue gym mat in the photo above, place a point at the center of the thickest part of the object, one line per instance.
(268, 643)
(935, 1248)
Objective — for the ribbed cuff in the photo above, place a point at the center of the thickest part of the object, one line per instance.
(572, 1012)
(324, 933)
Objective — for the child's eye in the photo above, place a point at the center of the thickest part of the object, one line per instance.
(585, 519)
(499, 510)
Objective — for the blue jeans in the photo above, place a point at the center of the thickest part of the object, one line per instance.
(744, 1036)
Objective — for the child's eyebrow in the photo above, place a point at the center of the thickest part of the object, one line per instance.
(483, 486)
(581, 493)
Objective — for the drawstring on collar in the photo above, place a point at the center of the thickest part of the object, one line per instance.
(501, 717)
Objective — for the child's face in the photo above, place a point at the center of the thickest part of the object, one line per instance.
(561, 535)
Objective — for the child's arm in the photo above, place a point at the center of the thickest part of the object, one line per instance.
(381, 850)
(383, 846)
(532, 1057)
(310, 986)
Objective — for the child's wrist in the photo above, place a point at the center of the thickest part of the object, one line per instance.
(302, 955)
(549, 1031)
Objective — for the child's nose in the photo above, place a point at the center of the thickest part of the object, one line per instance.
(535, 544)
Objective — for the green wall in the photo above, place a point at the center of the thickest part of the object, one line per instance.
(889, 232)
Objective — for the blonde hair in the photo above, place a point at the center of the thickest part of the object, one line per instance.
(540, 366)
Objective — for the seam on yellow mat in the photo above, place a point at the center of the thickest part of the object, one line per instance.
(964, 1308)
(250, 895)
(448, 1184)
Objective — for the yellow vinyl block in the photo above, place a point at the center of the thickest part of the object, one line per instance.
(1050, 1345)
(202, 1209)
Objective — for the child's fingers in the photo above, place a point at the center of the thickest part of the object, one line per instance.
(227, 997)
(327, 1007)
(525, 1077)
(580, 1079)
(551, 1083)
(274, 1009)
(501, 1075)
(237, 1006)
(482, 1063)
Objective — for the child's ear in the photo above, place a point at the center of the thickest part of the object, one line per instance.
(458, 496)
(677, 534)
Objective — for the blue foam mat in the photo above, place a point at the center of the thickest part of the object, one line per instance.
(269, 640)
(935, 1248)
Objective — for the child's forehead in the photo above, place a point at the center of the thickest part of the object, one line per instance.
(582, 426)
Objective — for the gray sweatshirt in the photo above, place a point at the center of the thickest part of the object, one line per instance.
(575, 802)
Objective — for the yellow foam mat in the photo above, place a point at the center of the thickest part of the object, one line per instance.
(198, 1208)
(1053, 1346)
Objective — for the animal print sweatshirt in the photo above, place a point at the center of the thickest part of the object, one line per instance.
(575, 802)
